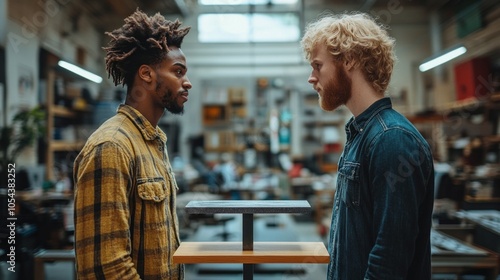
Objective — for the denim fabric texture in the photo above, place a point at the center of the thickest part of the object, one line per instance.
(382, 212)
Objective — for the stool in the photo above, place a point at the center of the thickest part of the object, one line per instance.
(44, 256)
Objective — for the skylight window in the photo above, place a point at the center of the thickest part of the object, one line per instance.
(245, 28)
(246, 2)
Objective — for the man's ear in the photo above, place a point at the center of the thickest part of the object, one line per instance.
(349, 65)
(146, 73)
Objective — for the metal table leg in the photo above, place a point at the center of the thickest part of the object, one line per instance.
(248, 244)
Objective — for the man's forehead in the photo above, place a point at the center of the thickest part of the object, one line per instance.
(317, 51)
(176, 54)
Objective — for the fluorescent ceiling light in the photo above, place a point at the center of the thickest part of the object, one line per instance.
(445, 56)
(80, 71)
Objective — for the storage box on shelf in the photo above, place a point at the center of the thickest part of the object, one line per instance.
(223, 113)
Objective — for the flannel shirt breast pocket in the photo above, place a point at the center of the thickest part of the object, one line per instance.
(154, 197)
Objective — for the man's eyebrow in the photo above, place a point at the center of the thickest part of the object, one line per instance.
(180, 64)
(314, 61)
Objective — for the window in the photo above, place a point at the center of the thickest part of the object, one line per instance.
(248, 21)
(245, 2)
(241, 28)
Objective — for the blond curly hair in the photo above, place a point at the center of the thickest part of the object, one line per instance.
(358, 38)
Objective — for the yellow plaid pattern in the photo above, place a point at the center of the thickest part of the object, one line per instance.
(125, 219)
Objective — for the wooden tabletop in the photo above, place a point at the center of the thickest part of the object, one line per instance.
(248, 206)
(263, 252)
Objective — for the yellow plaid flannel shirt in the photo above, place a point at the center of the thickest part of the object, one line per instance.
(125, 219)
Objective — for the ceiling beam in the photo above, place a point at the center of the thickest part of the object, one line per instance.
(183, 8)
(123, 8)
(367, 5)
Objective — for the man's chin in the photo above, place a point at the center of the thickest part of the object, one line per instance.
(176, 110)
(325, 106)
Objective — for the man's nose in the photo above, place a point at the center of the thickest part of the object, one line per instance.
(187, 84)
(312, 79)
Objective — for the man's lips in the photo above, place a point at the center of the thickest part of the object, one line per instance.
(184, 95)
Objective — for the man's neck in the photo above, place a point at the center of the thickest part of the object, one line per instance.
(363, 94)
(145, 106)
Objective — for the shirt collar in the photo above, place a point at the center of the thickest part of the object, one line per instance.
(145, 127)
(357, 125)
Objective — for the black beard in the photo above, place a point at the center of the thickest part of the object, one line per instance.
(169, 103)
(172, 106)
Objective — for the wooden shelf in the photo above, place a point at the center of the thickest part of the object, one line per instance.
(259, 147)
(492, 139)
(59, 145)
(471, 177)
(322, 123)
(263, 252)
(426, 119)
(482, 200)
(469, 102)
(60, 111)
(461, 104)
(223, 149)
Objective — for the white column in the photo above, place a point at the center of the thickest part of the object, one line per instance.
(3, 21)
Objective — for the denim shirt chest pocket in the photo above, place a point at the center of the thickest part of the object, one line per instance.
(349, 183)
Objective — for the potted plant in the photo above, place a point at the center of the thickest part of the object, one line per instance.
(26, 127)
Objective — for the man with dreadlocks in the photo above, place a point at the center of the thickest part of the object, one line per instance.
(125, 219)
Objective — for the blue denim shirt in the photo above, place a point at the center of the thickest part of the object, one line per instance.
(382, 211)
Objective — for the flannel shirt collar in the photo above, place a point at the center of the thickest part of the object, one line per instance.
(145, 127)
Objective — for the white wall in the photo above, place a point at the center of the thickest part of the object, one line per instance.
(3, 32)
(64, 34)
(3, 21)
(22, 78)
(412, 47)
(21, 62)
